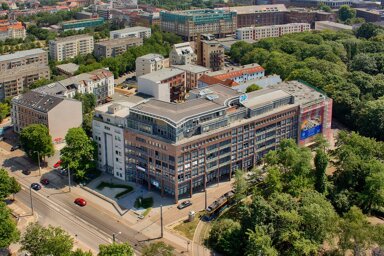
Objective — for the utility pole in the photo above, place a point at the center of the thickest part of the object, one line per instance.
(161, 220)
(113, 238)
(69, 179)
(205, 192)
(30, 195)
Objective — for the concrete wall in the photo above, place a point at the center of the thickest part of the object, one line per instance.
(157, 90)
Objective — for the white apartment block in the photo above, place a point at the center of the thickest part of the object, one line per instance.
(258, 33)
(149, 63)
(108, 133)
(138, 32)
(182, 54)
(71, 46)
(98, 82)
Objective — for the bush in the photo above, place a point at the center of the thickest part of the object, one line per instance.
(144, 202)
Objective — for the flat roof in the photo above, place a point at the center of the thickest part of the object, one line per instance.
(192, 68)
(334, 24)
(69, 67)
(151, 56)
(71, 38)
(119, 41)
(256, 8)
(21, 54)
(162, 74)
(131, 29)
(123, 106)
(264, 96)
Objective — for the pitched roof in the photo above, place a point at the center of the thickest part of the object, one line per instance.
(38, 101)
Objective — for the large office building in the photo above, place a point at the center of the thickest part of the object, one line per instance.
(182, 54)
(12, 29)
(180, 148)
(258, 33)
(149, 63)
(71, 46)
(114, 47)
(99, 82)
(138, 32)
(19, 70)
(189, 24)
(259, 15)
(167, 84)
(82, 24)
(57, 113)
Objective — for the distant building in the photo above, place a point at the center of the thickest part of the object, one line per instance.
(57, 113)
(149, 63)
(11, 29)
(98, 82)
(210, 54)
(301, 15)
(71, 46)
(258, 33)
(182, 54)
(329, 25)
(316, 3)
(189, 24)
(85, 15)
(258, 15)
(68, 69)
(370, 15)
(138, 32)
(167, 84)
(82, 24)
(114, 47)
(19, 70)
(192, 74)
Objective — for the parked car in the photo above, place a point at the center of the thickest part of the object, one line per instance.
(44, 182)
(35, 186)
(57, 164)
(64, 172)
(26, 172)
(15, 147)
(184, 204)
(80, 201)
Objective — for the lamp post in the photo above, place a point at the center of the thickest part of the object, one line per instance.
(30, 196)
(161, 221)
(69, 179)
(114, 236)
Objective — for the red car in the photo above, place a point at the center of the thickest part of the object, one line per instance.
(57, 165)
(44, 182)
(80, 202)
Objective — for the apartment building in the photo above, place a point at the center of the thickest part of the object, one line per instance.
(12, 29)
(210, 54)
(99, 82)
(19, 70)
(167, 84)
(82, 24)
(138, 32)
(258, 33)
(190, 23)
(71, 46)
(192, 74)
(302, 15)
(258, 15)
(57, 113)
(149, 63)
(182, 54)
(114, 47)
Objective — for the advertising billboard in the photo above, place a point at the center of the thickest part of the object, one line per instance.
(310, 127)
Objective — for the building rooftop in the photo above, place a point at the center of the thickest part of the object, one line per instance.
(236, 71)
(256, 8)
(21, 54)
(192, 68)
(162, 74)
(275, 26)
(119, 41)
(151, 56)
(199, 12)
(131, 30)
(71, 38)
(82, 21)
(69, 67)
(38, 101)
(120, 108)
(334, 24)
(264, 96)
(183, 48)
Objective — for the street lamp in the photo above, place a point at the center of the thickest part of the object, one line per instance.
(114, 236)
(30, 196)
(69, 179)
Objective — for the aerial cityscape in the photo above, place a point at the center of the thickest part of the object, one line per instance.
(191, 127)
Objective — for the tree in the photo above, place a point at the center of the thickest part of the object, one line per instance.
(253, 87)
(321, 162)
(224, 237)
(368, 30)
(88, 101)
(50, 240)
(115, 249)
(240, 185)
(158, 249)
(346, 12)
(79, 252)
(8, 230)
(364, 62)
(8, 185)
(36, 138)
(325, 8)
(4, 6)
(4, 111)
(79, 152)
(260, 243)
(39, 83)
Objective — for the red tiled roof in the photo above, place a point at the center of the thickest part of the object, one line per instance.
(238, 73)
(209, 80)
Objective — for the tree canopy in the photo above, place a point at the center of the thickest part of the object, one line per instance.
(158, 249)
(123, 249)
(36, 140)
(8, 230)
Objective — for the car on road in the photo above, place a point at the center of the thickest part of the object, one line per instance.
(184, 204)
(80, 201)
(26, 172)
(35, 186)
(15, 147)
(57, 164)
(64, 172)
(44, 182)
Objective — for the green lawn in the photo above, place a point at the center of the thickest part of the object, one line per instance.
(188, 228)
(127, 190)
(144, 202)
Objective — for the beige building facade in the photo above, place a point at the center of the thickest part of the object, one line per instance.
(258, 33)
(69, 47)
(149, 63)
(114, 47)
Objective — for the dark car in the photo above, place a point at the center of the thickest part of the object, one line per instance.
(184, 204)
(44, 182)
(80, 201)
(15, 147)
(26, 172)
(35, 186)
